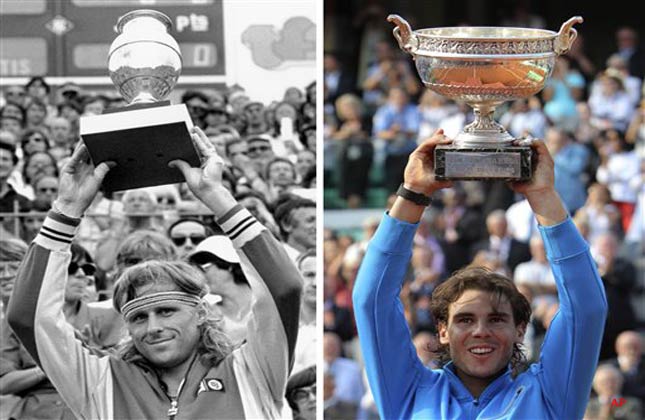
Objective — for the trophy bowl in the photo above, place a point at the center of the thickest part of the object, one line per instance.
(144, 61)
(484, 67)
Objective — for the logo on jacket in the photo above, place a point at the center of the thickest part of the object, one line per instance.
(210, 384)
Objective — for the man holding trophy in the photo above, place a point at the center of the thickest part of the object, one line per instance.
(481, 316)
(179, 363)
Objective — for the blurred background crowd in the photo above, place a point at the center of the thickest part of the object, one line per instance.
(270, 156)
(591, 115)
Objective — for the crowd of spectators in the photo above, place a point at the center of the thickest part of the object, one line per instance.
(269, 152)
(592, 119)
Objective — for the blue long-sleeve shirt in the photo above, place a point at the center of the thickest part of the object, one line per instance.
(556, 387)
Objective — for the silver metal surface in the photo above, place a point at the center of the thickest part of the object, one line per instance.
(484, 67)
(144, 61)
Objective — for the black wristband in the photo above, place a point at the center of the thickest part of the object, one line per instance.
(416, 198)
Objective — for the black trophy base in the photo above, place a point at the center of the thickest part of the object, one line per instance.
(476, 163)
(141, 140)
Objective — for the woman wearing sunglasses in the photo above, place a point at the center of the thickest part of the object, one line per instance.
(19, 373)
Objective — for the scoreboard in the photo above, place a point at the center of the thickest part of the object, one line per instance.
(64, 39)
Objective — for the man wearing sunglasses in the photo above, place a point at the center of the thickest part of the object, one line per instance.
(186, 234)
(179, 362)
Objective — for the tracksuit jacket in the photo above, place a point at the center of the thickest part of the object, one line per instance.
(249, 383)
(556, 387)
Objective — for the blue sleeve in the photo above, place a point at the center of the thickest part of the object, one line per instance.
(393, 368)
(569, 355)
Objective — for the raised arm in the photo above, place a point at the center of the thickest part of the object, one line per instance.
(570, 351)
(275, 281)
(35, 311)
(390, 358)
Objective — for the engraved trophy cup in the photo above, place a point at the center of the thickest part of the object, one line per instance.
(144, 63)
(484, 67)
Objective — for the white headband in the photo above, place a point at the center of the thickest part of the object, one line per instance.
(154, 299)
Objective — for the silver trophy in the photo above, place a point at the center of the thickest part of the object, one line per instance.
(484, 67)
(144, 63)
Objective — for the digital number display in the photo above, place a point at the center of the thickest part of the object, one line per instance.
(194, 55)
(23, 56)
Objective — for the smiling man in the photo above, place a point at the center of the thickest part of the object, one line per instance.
(179, 363)
(481, 316)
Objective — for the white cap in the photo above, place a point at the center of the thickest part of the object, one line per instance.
(218, 245)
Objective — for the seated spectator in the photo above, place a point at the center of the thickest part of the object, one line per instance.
(11, 124)
(611, 106)
(254, 115)
(140, 211)
(619, 278)
(25, 391)
(396, 124)
(281, 177)
(15, 94)
(536, 273)
(220, 263)
(508, 251)
(560, 94)
(260, 150)
(525, 118)
(608, 384)
(94, 105)
(601, 214)
(348, 379)
(46, 190)
(256, 204)
(34, 140)
(334, 408)
(355, 151)
(301, 394)
(618, 167)
(307, 344)
(305, 160)
(13, 110)
(631, 362)
(36, 165)
(215, 116)
(570, 160)
(10, 198)
(433, 109)
(296, 218)
(186, 234)
(36, 115)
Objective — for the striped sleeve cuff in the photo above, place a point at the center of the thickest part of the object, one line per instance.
(240, 225)
(57, 232)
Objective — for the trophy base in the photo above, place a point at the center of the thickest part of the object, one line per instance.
(482, 163)
(141, 140)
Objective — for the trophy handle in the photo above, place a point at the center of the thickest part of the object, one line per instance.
(567, 35)
(407, 40)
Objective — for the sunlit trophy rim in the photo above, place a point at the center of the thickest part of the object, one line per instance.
(484, 66)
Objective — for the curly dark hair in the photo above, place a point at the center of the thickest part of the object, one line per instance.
(498, 285)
